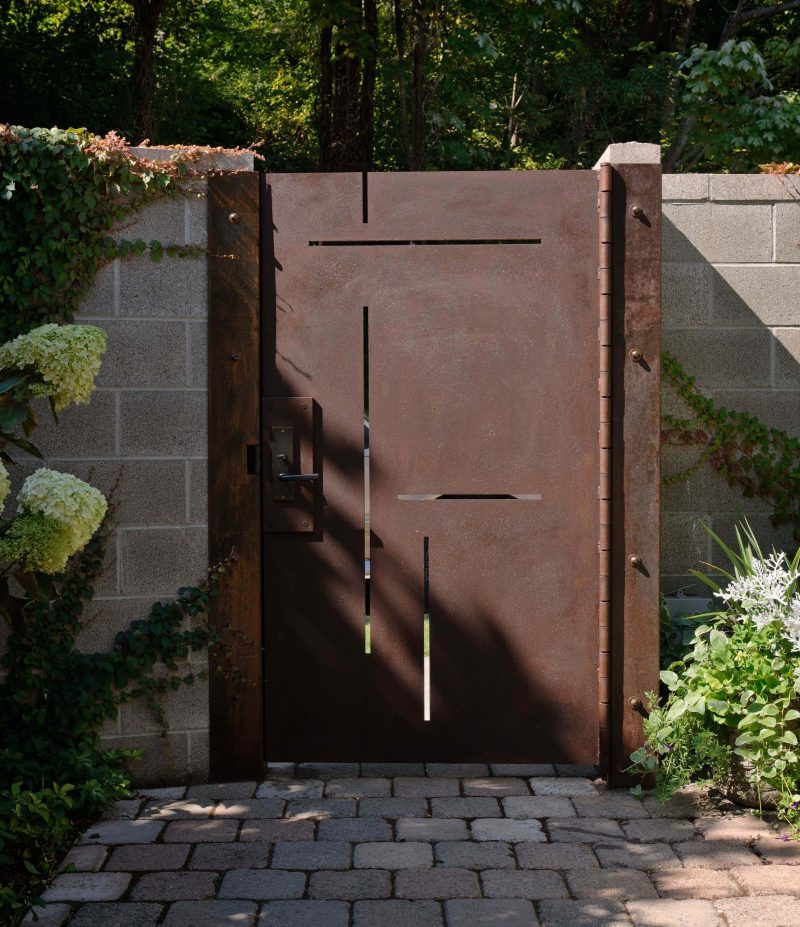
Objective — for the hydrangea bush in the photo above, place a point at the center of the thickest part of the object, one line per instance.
(732, 717)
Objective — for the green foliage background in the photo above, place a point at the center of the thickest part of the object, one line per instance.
(245, 72)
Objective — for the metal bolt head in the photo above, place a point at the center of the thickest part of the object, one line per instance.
(634, 560)
(635, 703)
(234, 356)
(637, 212)
(233, 217)
(636, 355)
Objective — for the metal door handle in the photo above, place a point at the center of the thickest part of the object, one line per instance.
(297, 477)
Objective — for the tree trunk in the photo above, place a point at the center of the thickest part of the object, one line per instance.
(419, 41)
(146, 17)
(400, 46)
(366, 121)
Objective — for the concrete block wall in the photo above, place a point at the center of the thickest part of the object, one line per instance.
(731, 314)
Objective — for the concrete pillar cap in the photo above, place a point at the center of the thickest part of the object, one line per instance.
(630, 153)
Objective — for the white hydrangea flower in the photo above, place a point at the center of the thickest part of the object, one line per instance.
(64, 498)
(5, 485)
(67, 356)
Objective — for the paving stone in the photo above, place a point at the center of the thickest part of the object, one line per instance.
(496, 786)
(223, 856)
(469, 855)
(610, 884)
(356, 830)
(685, 804)
(431, 829)
(305, 914)
(768, 880)
(181, 810)
(327, 770)
(124, 810)
(350, 885)
(534, 884)
(85, 859)
(507, 829)
(281, 770)
(88, 886)
(116, 832)
(670, 830)
(116, 915)
(766, 911)
(397, 914)
(734, 827)
(272, 831)
(583, 914)
(775, 850)
(583, 830)
(393, 808)
(290, 789)
(262, 884)
(174, 886)
(168, 793)
(645, 856)
(615, 805)
(460, 770)
(201, 831)
(465, 808)
(318, 809)
(523, 769)
(392, 855)
(211, 914)
(490, 912)
(715, 854)
(551, 785)
(414, 787)
(250, 808)
(538, 806)
(674, 913)
(358, 788)
(392, 769)
(326, 854)
(52, 915)
(695, 883)
(217, 791)
(443, 882)
(151, 858)
(555, 856)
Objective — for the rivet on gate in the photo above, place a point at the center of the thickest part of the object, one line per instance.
(637, 211)
(635, 703)
(634, 560)
(636, 355)
(305, 524)
(234, 356)
(233, 217)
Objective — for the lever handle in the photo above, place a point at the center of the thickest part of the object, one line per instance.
(297, 477)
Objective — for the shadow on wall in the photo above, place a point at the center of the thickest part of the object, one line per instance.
(731, 315)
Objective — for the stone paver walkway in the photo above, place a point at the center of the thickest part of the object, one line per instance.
(399, 845)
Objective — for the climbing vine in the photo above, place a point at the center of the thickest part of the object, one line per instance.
(759, 461)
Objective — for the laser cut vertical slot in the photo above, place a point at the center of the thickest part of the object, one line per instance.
(426, 631)
(367, 556)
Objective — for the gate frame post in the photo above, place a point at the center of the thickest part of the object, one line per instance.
(234, 479)
(635, 444)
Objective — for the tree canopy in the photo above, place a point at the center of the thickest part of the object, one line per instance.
(415, 84)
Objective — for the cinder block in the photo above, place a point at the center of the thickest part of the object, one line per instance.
(82, 431)
(683, 187)
(685, 543)
(163, 423)
(765, 295)
(775, 408)
(748, 187)
(685, 294)
(198, 351)
(724, 357)
(787, 358)
(787, 232)
(727, 233)
(164, 760)
(104, 618)
(197, 205)
(704, 490)
(206, 160)
(199, 753)
(162, 220)
(157, 561)
(99, 302)
(174, 287)
(144, 354)
(768, 535)
(198, 491)
(184, 709)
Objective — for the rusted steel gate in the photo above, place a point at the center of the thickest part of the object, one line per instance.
(433, 432)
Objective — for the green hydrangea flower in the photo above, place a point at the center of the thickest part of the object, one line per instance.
(5, 485)
(37, 542)
(66, 499)
(67, 356)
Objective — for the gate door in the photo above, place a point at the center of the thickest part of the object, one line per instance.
(430, 423)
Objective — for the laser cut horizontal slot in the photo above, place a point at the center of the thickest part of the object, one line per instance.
(495, 496)
(390, 242)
